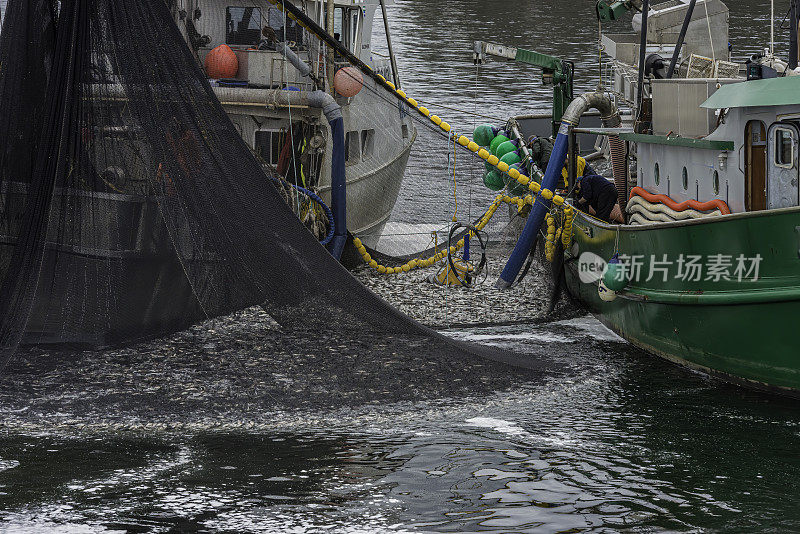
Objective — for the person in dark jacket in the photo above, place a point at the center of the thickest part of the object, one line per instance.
(541, 149)
(597, 196)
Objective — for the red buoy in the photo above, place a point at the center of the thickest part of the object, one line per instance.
(348, 81)
(221, 63)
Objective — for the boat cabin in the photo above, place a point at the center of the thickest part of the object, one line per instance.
(241, 24)
(750, 158)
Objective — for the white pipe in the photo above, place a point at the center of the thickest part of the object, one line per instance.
(772, 28)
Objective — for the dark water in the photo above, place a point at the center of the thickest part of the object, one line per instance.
(233, 428)
(434, 39)
(623, 442)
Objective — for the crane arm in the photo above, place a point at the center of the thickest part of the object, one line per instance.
(555, 72)
(610, 10)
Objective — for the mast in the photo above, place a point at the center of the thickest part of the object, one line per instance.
(642, 56)
(793, 43)
(331, 73)
(772, 28)
(681, 37)
(395, 73)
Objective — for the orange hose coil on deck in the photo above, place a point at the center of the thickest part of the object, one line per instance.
(686, 204)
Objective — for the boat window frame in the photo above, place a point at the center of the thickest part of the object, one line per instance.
(778, 139)
(367, 143)
(276, 140)
(259, 29)
(340, 25)
(352, 147)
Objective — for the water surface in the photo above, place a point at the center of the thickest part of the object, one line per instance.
(234, 428)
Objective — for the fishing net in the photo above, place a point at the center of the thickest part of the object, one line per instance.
(138, 197)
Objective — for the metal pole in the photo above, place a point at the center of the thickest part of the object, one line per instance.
(395, 74)
(681, 37)
(642, 56)
(772, 27)
(331, 73)
(517, 133)
(572, 149)
(793, 36)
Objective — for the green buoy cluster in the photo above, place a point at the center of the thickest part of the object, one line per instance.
(497, 142)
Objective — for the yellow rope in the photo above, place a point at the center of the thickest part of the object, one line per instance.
(473, 147)
(462, 140)
(428, 262)
(535, 188)
(555, 232)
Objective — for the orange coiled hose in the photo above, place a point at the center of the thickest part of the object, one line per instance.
(686, 204)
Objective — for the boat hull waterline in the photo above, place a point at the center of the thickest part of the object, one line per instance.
(740, 330)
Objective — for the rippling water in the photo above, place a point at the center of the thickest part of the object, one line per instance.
(624, 442)
(433, 41)
(620, 442)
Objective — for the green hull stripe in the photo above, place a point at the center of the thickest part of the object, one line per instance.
(701, 144)
(719, 298)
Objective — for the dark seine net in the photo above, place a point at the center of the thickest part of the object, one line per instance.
(130, 207)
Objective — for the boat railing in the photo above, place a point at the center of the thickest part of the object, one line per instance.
(267, 69)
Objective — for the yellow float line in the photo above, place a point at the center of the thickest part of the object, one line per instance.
(484, 154)
(428, 262)
(472, 146)
(465, 141)
(501, 166)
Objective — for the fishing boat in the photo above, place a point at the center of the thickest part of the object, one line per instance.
(289, 135)
(706, 270)
(702, 264)
(112, 211)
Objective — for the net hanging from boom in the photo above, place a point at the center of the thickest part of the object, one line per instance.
(131, 207)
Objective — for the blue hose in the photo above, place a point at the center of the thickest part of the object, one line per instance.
(338, 188)
(539, 211)
(313, 196)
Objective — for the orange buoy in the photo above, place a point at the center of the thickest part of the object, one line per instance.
(348, 81)
(221, 63)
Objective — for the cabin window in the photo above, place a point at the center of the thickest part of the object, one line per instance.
(243, 26)
(367, 143)
(656, 174)
(784, 148)
(346, 26)
(354, 20)
(268, 145)
(339, 27)
(284, 29)
(352, 147)
(685, 178)
(716, 183)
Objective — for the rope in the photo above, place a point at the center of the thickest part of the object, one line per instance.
(455, 184)
(437, 121)
(284, 81)
(462, 140)
(600, 51)
(473, 113)
(565, 235)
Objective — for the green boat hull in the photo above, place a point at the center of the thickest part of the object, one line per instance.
(745, 331)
